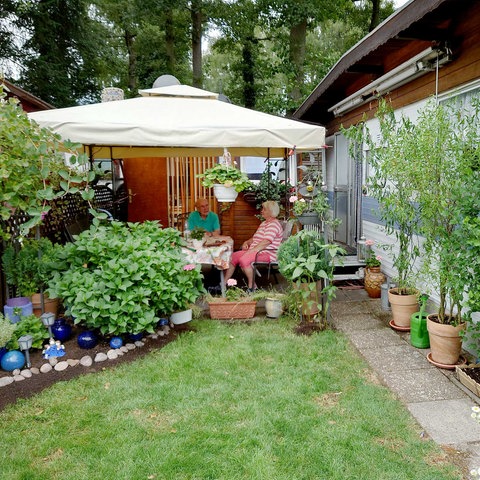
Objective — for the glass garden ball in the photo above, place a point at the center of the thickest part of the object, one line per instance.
(87, 339)
(116, 342)
(13, 360)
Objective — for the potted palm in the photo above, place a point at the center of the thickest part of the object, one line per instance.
(306, 261)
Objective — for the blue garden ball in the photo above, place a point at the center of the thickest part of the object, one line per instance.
(116, 342)
(136, 336)
(87, 339)
(12, 360)
(162, 322)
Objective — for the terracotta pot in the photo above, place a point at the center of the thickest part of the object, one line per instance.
(403, 307)
(445, 341)
(310, 305)
(51, 304)
(373, 280)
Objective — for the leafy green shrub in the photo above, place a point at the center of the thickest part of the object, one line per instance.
(28, 268)
(7, 328)
(29, 325)
(119, 278)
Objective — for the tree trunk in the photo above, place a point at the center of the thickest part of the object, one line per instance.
(170, 42)
(132, 61)
(298, 35)
(197, 20)
(375, 18)
(248, 73)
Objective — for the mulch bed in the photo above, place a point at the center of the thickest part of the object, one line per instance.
(30, 386)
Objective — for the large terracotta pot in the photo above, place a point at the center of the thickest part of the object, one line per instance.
(310, 304)
(445, 341)
(373, 280)
(51, 304)
(403, 307)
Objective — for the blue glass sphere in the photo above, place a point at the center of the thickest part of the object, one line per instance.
(116, 342)
(12, 360)
(136, 336)
(162, 322)
(87, 339)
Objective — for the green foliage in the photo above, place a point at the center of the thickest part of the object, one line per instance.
(120, 278)
(390, 183)
(226, 176)
(197, 233)
(268, 188)
(28, 269)
(305, 259)
(29, 325)
(426, 179)
(33, 171)
(7, 329)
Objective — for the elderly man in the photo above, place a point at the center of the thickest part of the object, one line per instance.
(204, 218)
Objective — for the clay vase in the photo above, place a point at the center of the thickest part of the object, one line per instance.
(403, 307)
(373, 280)
(445, 341)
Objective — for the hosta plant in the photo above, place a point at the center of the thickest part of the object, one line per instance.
(120, 278)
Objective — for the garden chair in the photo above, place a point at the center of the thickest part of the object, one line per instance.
(272, 267)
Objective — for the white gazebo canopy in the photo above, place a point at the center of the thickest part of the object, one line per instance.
(178, 120)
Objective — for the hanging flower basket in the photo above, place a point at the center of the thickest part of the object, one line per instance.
(224, 194)
(222, 310)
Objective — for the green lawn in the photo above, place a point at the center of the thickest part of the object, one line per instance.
(228, 401)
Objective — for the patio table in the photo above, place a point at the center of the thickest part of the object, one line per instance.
(215, 251)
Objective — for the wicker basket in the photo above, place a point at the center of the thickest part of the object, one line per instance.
(226, 310)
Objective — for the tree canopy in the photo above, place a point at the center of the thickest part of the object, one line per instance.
(266, 55)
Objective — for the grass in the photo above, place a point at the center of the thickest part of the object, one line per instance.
(228, 401)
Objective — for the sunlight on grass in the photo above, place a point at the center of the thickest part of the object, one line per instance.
(227, 401)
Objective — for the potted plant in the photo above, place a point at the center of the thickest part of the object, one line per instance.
(308, 263)
(26, 264)
(273, 301)
(374, 278)
(197, 235)
(447, 137)
(227, 181)
(237, 303)
(121, 278)
(389, 183)
(268, 188)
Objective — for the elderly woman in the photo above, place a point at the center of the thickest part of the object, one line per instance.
(268, 236)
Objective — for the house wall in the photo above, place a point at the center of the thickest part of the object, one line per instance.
(462, 72)
(464, 68)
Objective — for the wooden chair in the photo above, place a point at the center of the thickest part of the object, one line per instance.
(272, 266)
(180, 221)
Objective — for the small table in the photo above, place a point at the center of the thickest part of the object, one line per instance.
(215, 251)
